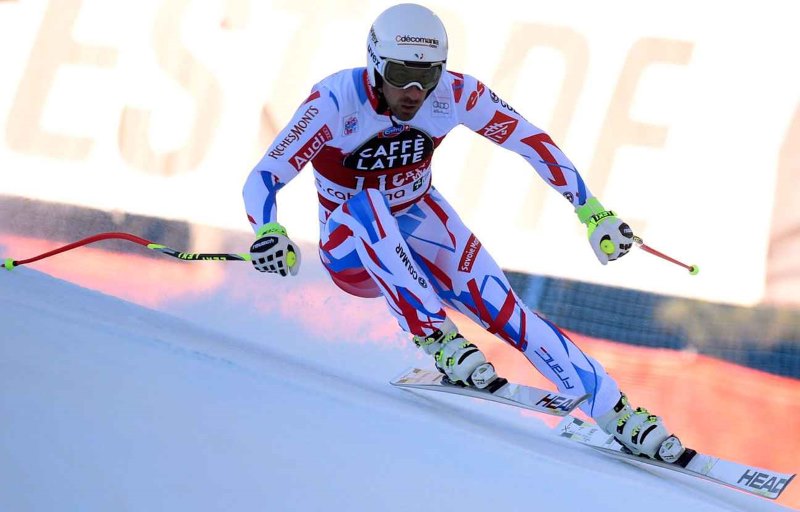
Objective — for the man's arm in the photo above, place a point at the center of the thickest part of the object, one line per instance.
(312, 125)
(306, 134)
(481, 110)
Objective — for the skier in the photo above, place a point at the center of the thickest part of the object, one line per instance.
(370, 134)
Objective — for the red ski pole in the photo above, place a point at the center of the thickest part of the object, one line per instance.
(693, 269)
(186, 256)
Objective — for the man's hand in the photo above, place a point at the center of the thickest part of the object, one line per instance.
(273, 251)
(609, 237)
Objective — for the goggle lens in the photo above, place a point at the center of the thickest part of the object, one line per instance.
(400, 75)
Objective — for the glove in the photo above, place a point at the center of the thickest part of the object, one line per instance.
(273, 251)
(609, 237)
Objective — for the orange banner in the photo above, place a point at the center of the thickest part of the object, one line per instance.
(161, 107)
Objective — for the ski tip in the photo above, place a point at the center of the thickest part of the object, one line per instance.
(414, 376)
(581, 400)
(569, 407)
(399, 379)
(791, 477)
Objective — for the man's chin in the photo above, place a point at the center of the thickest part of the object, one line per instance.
(406, 115)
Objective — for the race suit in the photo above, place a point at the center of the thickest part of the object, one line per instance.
(385, 230)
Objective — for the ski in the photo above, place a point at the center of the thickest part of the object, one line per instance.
(501, 390)
(761, 482)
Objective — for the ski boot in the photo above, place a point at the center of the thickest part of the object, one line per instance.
(640, 432)
(460, 361)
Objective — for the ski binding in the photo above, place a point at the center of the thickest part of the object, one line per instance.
(750, 479)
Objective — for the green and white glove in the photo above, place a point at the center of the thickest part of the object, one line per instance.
(273, 252)
(609, 237)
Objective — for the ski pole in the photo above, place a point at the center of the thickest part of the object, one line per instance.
(186, 256)
(693, 269)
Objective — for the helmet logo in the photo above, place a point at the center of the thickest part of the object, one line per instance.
(419, 56)
(375, 60)
(417, 41)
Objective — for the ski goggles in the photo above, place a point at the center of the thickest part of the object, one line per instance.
(405, 74)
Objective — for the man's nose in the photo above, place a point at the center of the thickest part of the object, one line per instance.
(414, 93)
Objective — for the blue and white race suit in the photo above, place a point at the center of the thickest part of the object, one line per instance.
(386, 231)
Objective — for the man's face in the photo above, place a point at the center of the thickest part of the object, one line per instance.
(404, 103)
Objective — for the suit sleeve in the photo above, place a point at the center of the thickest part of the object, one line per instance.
(482, 111)
(311, 127)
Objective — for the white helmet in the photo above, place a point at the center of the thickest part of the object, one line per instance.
(408, 43)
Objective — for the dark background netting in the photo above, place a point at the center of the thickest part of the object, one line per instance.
(762, 337)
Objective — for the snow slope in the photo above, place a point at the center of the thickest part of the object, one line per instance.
(106, 406)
